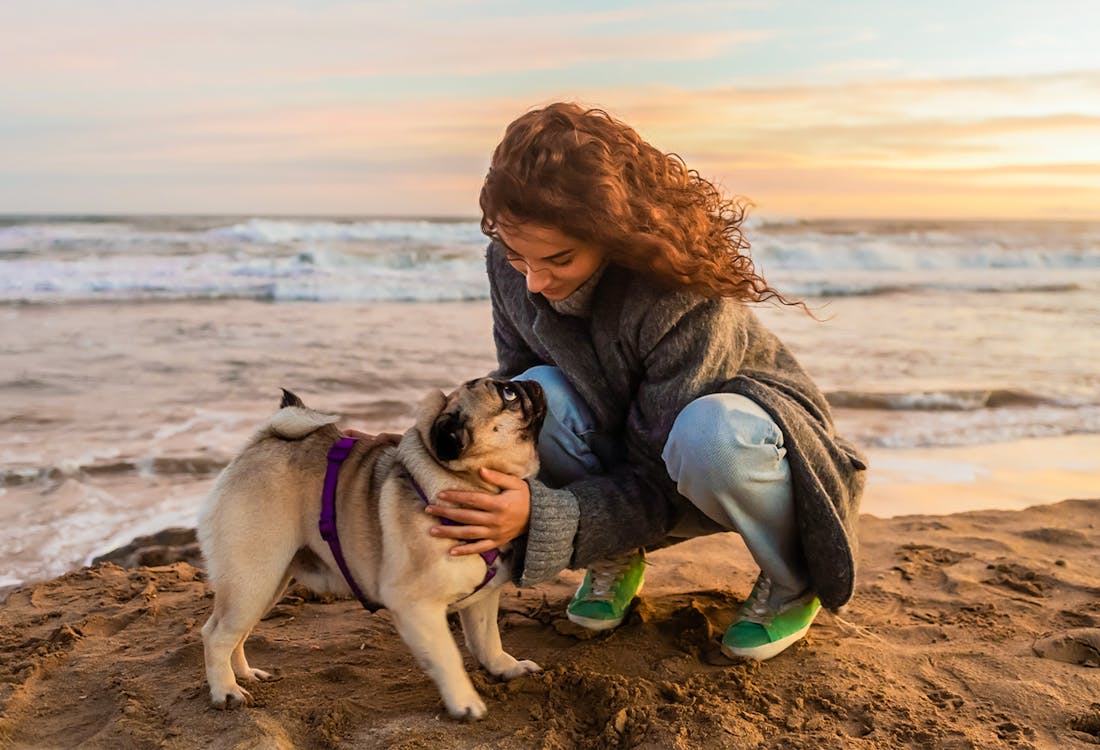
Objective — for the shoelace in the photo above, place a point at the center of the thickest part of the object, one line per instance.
(756, 607)
(606, 576)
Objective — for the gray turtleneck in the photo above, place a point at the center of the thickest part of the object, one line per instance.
(579, 303)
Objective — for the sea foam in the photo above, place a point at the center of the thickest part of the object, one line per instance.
(424, 260)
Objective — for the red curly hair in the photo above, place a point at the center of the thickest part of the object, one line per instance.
(592, 177)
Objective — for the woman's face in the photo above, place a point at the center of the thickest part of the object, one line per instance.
(554, 264)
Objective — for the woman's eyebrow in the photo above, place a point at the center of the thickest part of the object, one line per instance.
(556, 256)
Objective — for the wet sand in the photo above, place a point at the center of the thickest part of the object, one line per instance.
(1008, 476)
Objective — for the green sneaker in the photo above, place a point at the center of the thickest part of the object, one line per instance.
(605, 593)
(760, 632)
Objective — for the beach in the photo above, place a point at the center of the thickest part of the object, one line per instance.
(976, 630)
(973, 389)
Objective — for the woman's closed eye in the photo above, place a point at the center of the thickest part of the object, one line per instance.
(556, 262)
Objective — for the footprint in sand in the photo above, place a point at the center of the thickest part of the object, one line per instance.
(1019, 578)
(1080, 646)
(1088, 723)
(1058, 537)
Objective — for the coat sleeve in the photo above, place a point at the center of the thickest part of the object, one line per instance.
(686, 347)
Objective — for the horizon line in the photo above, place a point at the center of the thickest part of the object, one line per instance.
(455, 218)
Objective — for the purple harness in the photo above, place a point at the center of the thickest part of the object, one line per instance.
(327, 523)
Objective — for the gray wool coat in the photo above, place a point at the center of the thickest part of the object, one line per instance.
(643, 354)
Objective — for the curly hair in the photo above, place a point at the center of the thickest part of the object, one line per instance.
(592, 177)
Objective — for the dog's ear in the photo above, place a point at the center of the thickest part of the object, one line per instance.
(448, 436)
(291, 399)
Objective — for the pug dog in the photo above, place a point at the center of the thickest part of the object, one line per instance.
(258, 529)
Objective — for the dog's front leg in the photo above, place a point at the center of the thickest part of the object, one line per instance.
(479, 624)
(425, 630)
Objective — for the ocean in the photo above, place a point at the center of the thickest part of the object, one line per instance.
(137, 353)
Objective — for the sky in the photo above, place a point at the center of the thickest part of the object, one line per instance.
(962, 109)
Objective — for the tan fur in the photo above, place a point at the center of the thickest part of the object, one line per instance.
(258, 530)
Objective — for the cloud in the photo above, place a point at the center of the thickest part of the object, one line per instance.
(339, 106)
(960, 122)
(983, 146)
(159, 48)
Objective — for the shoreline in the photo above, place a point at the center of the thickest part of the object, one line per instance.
(912, 481)
(1011, 475)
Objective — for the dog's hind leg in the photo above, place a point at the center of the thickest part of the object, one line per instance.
(239, 603)
(479, 624)
(425, 630)
(238, 660)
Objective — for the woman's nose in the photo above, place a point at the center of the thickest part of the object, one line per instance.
(537, 279)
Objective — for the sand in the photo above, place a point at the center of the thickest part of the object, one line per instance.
(972, 630)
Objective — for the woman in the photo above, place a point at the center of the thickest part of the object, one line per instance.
(619, 283)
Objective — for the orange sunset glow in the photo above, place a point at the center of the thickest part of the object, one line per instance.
(947, 111)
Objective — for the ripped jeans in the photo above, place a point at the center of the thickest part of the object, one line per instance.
(726, 456)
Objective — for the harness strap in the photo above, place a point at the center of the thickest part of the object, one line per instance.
(327, 523)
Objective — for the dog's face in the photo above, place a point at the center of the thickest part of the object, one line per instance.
(485, 422)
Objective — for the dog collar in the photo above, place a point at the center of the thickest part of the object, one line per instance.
(491, 557)
(327, 523)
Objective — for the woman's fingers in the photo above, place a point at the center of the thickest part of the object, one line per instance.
(484, 539)
(476, 548)
(502, 480)
(478, 500)
(461, 515)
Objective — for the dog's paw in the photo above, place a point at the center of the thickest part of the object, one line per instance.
(471, 709)
(258, 675)
(507, 667)
(519, 669)
(233, 697)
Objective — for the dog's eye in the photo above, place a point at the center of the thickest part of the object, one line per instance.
(508, 393)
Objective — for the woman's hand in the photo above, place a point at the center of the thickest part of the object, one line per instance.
(491, 520)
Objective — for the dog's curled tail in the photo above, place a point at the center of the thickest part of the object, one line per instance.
(295, 420)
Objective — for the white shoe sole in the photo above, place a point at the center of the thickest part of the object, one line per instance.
(591, 624)
(768, 650)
